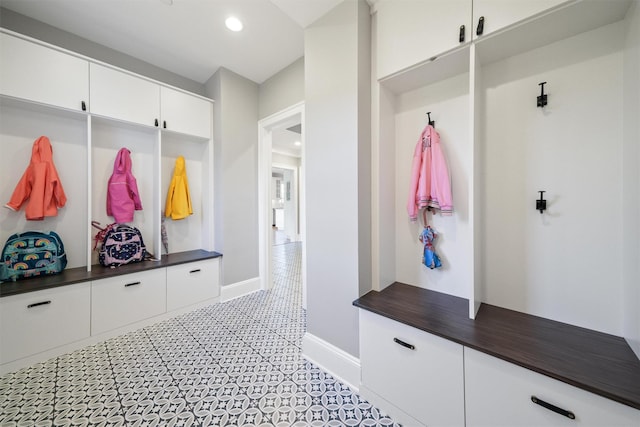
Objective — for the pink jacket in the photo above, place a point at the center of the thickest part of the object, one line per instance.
(430, 186)
(40, 186)
(122, 192)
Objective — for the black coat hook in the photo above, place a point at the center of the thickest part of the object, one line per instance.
(542, 99)
(431, 122)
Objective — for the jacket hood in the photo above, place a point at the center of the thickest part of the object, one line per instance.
(41, 152)
(179, 168)
(122, 163)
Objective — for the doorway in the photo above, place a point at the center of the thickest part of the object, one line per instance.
(281, 184)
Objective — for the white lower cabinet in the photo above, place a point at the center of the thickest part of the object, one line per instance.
(191, 283)
(417, 372)
(37, 321)
(122, 300)
(499, 393)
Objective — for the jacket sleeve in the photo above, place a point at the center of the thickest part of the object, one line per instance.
(412, 208)
(188, 194)
(168, 208)
(22, 191)
(132, 185)
(59, 195)
(441, 184)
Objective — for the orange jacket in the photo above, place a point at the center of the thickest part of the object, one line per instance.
(40, 184)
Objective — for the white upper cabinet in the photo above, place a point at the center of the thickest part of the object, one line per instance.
(409, 32)
(498, 14)
(185, 113)
(123, 96)
(41, 74)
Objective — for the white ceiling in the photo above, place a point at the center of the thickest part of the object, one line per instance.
(188, 37)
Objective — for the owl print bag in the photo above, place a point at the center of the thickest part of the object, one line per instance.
(31, 254)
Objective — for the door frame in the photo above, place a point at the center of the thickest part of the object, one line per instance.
(287, 117)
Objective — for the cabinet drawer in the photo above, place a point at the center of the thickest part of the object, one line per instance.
(37, 321)
(420, 373)
(191, 283)
(499, 393)
(122, 300)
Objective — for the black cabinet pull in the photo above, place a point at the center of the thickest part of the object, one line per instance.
(480, 28)
(404, 344)
(195, 271)
(38, 303)
(156, 122)
(461, 35)
(131, 284)
(84, 106)
(553, 408)
(164, 124)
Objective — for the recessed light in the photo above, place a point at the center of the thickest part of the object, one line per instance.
(297, 143)
(233, 24)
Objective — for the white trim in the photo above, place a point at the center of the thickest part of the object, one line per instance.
(238, 289)
(340, 364)
(265, 146)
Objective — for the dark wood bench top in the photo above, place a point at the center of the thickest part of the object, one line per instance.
(78, 275)
(594, 361)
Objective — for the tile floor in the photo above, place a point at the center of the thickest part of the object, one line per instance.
(236, 363)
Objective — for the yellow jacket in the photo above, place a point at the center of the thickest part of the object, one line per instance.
(178, 199)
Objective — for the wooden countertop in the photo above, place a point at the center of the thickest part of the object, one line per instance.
(594, 361)
(77, 275)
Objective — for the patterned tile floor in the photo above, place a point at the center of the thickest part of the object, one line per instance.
(236, 363)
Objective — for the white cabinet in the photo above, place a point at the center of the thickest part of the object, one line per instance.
(409, 32)
(38, 321)
(185, 113)
(122, 300)
(419, 373)
(41, 74)
(498, 14)
(499, 393)
(123, 96)
(191, 283)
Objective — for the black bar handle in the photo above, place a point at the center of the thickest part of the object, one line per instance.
(131, 284)
(38, 303)
(197, 270)
(164, 124)
(404, 344)
(156, 122)
(480, 27)
(553, 408)
(84, 106)
(461, 35)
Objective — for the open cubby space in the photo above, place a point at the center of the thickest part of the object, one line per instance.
(21, 124)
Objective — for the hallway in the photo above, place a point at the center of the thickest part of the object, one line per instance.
(236, 363)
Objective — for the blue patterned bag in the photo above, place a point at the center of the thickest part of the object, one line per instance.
(31, 254)
(122, 244)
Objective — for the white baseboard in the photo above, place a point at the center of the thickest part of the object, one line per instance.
(340, 364)
(238, 289)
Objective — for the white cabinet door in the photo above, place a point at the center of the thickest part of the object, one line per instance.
(419, 373)
(41, 74)
(498, 14)
(123, 96)
(122, 300)
(499, 393)
(185, 113)
(409, 32)
(37, 321)
(191, 283)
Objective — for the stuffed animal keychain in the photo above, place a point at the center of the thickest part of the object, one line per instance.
(427, 236)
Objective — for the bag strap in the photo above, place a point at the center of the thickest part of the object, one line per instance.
(100, 235)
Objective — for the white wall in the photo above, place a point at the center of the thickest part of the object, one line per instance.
(236, 168)
(332, 144)
(567, 263)
(284, 89)
(631, 180)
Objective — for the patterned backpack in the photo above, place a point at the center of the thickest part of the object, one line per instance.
(32, 253)
(122, 244)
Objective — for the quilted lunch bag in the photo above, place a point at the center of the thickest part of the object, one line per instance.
(122, 245)
(31, 254)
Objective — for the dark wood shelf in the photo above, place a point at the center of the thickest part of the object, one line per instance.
(78, 275)
(594, 361)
